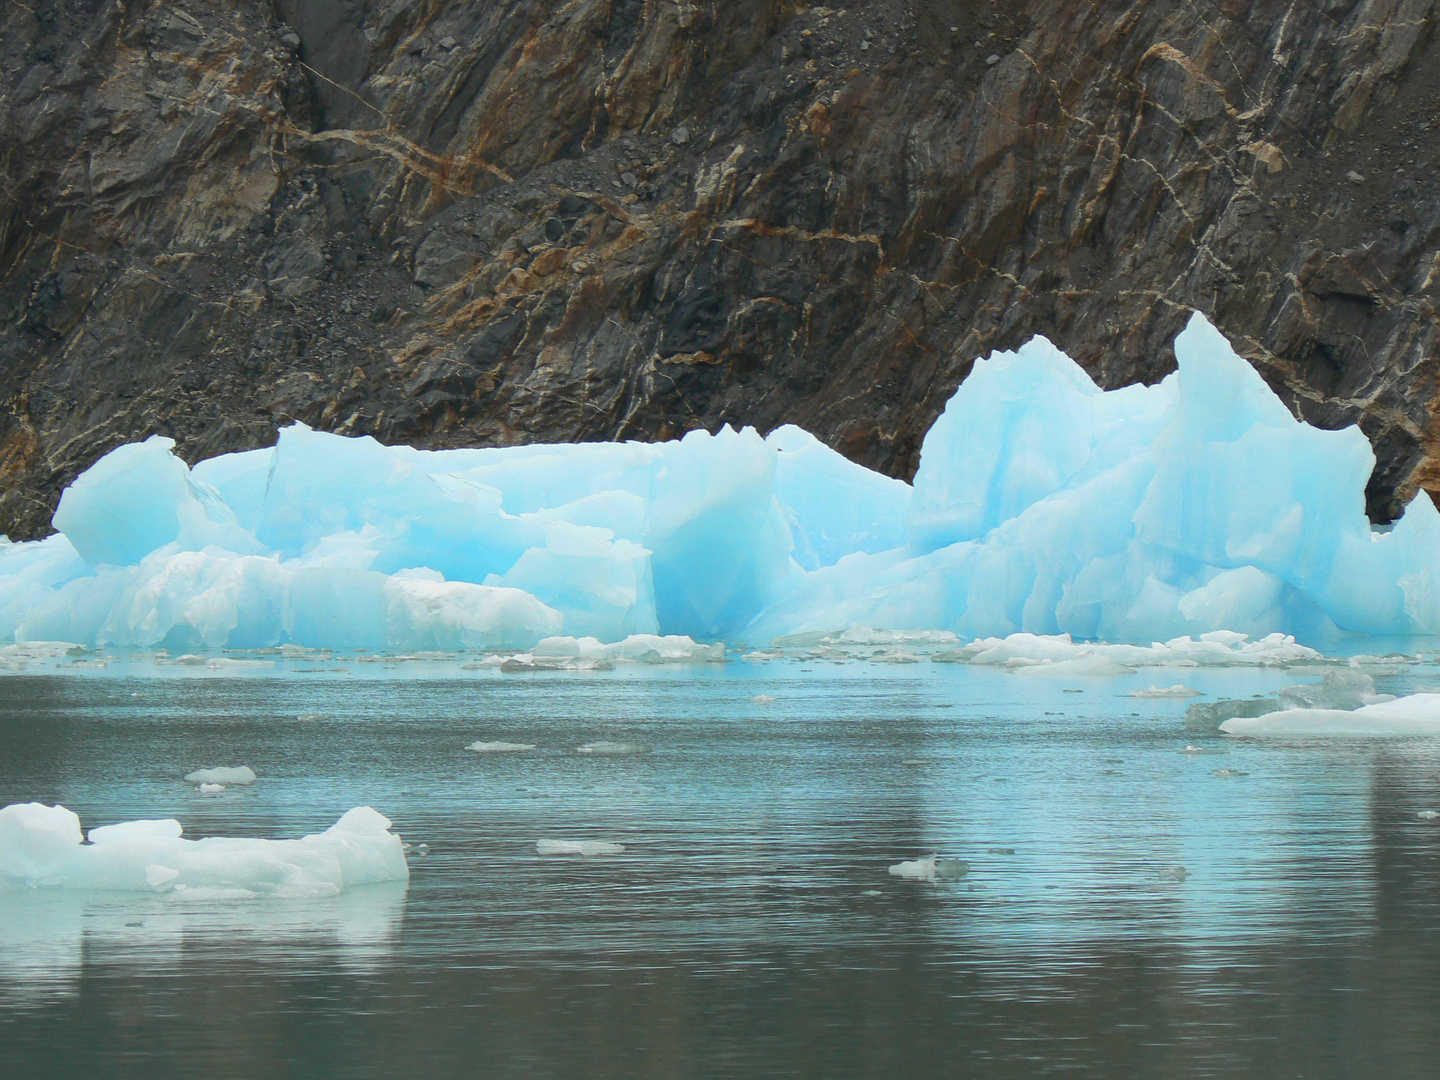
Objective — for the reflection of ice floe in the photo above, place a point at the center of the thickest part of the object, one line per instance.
(47, 936)
(1417, 714)
(587, 848)
(482, 747)
(41, 847)
(608, 749)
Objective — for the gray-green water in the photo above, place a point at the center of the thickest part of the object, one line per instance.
(750, 929)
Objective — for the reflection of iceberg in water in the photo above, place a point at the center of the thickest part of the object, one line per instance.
(49, 937)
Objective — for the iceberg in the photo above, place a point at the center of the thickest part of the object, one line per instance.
(41, 847)
(1042, 506)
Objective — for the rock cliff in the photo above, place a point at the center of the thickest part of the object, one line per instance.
(468, 222)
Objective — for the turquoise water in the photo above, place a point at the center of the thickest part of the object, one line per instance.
(750, 928)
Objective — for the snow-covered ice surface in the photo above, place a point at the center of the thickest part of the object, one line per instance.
(1042, 505)
(42, 847)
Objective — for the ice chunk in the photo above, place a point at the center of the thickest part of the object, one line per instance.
(211, 789)
(1417, 714)
(1089, 664)
(142, 497)
(1174, 874)
(40, 847)
(482, 747)
(763, 699)
(1215, 649)
(1177, 691)
(224, 774)
(34, 838)
(1208, 716)
(1340, 689)
(931, 868)
(587, 848)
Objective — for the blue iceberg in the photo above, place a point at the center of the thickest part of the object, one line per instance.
(1043, 505)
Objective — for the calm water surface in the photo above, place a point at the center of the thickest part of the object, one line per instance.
(750, 929)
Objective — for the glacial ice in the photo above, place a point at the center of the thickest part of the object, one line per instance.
(42, 847)
(1042, 506)
(1415, 714)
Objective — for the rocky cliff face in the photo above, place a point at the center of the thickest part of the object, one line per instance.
(468, 222)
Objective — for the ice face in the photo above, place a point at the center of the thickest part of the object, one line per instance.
(1042, 506)
(41, 847)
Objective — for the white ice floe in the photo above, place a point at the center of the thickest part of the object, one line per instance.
(587, 848)
(1084, 664)
(41, 847)
(1417, 714)
(223, 774)
(930, 868)
(1177, 691)
(763, 699)
(1220, 648)
(590, 654)
(211, 789)
(481, 747)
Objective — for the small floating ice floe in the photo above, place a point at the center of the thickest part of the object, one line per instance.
(609, 749)
(229, 663)
(307, 717)
(482, 747)
(1417, 714)
(224, 774)
(42, 847)
(211, 789)
(1428, 815)
(930, 868)
(1176, 691)
(1196, 751)
(763, 699)
(1174, 873)
(1089, 664)
(587, 848)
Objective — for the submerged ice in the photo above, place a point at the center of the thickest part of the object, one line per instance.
(1043, 505)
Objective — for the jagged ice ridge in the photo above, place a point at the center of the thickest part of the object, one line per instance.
(1042, 505)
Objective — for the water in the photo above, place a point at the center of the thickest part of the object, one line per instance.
(750, 928)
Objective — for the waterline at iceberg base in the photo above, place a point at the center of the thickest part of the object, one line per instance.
(1042, 505)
